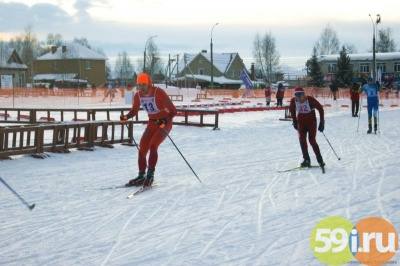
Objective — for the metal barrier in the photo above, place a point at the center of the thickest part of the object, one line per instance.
(60, 137)
(42, 115)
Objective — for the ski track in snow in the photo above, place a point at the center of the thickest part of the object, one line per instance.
(245, 213)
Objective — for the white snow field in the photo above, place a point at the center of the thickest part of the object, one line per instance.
(245, 212)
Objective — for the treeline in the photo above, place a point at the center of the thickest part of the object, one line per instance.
(29, 47)
(267, 64)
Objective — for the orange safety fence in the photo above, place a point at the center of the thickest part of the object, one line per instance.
(205, 94)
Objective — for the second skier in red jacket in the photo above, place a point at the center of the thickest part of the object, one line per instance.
(302, 109)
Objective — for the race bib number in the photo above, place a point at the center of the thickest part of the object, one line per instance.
(149, 104)
(303, 108)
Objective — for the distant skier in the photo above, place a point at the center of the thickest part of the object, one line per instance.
(280, 94)
(334, 89)
(161, 111)
(268, 93)
(302, 109)
(355, 99)
(371, 89)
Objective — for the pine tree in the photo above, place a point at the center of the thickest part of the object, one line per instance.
(314, 70)
(344, 73)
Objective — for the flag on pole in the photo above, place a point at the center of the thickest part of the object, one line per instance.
(244, 76)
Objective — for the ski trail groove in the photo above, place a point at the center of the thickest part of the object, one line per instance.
(119, 236)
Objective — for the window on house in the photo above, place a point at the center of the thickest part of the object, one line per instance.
(332, 68)
(381, 67)
(201, 71)
(364, 68)
(55, 65)
(88, 66)
(397, 67)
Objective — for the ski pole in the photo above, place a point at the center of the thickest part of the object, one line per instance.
(30, 207)
(361, 106)
(133, 138)
(331, 146)
(166, 133)
(379, 124)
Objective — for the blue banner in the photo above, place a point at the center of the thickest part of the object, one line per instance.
(244, 76)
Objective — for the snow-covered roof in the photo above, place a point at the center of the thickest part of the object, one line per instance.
(6, 59)
(73, 51)
(363, 56)
(220, 80)
(66, 76)
(222, 61)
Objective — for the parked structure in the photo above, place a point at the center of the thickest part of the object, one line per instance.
(13, 71)
(387, 65)
(72, 63)
(196, 70)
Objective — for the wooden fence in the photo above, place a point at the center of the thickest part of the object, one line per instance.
(60, 137)
(43, 115)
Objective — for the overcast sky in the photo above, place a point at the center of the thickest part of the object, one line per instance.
(184, 25)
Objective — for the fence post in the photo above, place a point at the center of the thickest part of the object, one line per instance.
(32, 116)
(216, 120)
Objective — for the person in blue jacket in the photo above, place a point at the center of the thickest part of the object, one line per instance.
(371, 89)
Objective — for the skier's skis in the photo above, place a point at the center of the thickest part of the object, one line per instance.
(299, 168)
(114, 187)
(141, 190)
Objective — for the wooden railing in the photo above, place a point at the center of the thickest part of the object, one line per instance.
(60, 137)
(43, 115)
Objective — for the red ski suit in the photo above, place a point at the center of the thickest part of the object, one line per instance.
(304, 114)
(158, 106)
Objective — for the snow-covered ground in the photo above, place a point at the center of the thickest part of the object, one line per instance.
(245, 213)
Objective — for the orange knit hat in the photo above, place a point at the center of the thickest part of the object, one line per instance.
(144, 78)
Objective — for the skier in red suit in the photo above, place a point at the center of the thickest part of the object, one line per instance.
(161, 111)
(302, 109)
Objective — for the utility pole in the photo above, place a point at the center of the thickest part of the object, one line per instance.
(212, 58)
(177, 68)
(374, 27)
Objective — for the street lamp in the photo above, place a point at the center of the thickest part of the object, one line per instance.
(212, 59)
(144, 54)
(374, 26)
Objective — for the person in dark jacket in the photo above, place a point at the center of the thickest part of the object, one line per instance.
(280, 94)
(334, 89)
(355, 99)
(268, 93)
(302, 109)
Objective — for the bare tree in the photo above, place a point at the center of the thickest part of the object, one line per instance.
(123, 67)
(153, 60)
(54, 39)
(266, 55)
(328, 42)
(350, 48)
(83, 41)
(385, 42)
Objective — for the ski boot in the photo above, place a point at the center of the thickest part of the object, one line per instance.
(321, 163)
(306, 163)
(138, 181)
(149, 178)
(369, 126)
(375, 125)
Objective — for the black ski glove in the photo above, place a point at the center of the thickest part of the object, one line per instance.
(161, 122)
(321, 126)
(123, 118)
(295, 124)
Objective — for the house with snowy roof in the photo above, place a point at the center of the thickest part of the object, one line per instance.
(195, 69)
(71, 62)
(387, 65)
(13, 71)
